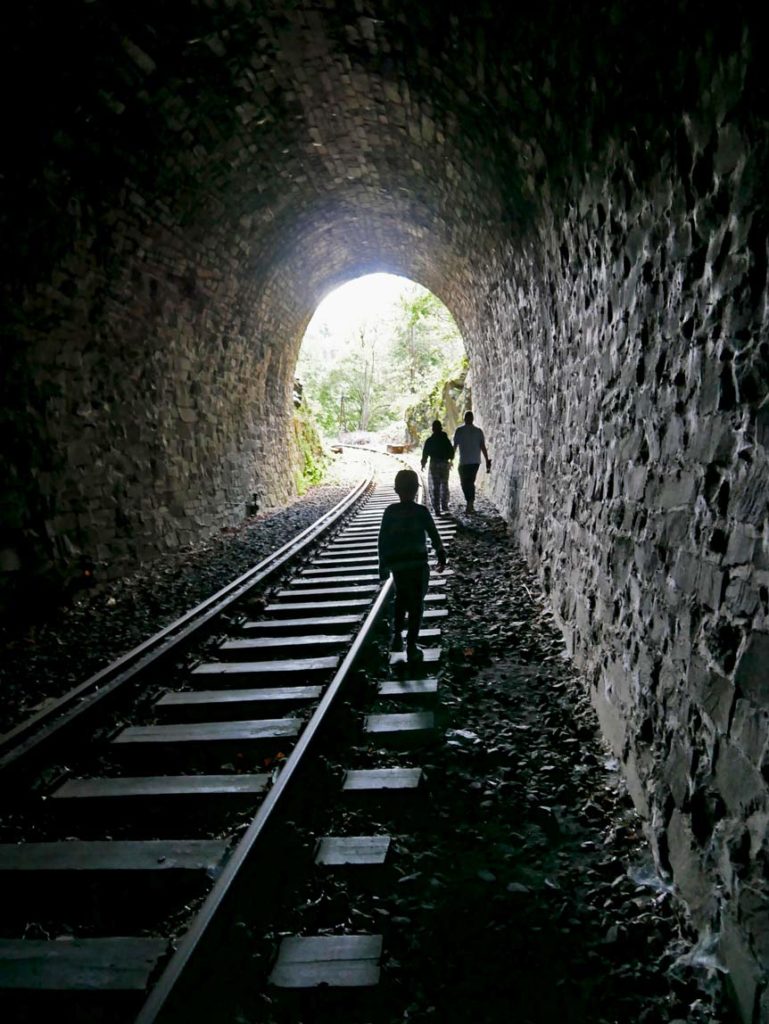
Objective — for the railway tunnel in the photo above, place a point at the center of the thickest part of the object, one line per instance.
(582, 185)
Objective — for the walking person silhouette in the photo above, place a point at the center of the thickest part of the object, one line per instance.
(440, 451)
(403, 552)
(471, 443)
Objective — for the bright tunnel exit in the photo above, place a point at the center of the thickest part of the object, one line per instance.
(381, 358)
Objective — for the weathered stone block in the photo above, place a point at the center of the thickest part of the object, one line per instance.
(745, 978)
(742, 597)
(634, 482)
(750, 731)
(710, 585)
(739, 783)
(675, 491)
(751, 498)
(714, 693)
(742, 544)
(752, 675)
(677, 770)
(686, 571)
(686, 860)
(674, 528)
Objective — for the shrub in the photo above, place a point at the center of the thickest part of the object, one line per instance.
(311, 458)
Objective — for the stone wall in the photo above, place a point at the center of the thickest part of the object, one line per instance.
(626, 362)
(160, 415)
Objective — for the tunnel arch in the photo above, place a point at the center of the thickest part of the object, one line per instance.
(581, 184)
(388, 351)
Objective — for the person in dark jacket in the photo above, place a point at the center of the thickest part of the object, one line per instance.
(440, 451)
(403, 552)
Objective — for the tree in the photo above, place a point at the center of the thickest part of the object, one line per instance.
(426, 342)
(364, 377)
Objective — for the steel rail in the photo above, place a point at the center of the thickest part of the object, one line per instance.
(158, 1006)
(21, 742)
(163, 991)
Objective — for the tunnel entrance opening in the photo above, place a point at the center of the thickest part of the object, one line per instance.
(380, 359)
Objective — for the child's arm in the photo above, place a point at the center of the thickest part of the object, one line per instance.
(384, 546)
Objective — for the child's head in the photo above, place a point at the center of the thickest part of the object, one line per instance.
(437, 426)
(406, 484)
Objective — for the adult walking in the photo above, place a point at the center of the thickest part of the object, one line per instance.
(471, 443)
(440, 451)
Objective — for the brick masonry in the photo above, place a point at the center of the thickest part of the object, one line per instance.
(583, 186)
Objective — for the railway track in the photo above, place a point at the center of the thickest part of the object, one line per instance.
(146, 810)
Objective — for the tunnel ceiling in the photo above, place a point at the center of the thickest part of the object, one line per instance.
(320, 140)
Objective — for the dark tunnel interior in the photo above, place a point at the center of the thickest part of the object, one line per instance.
(583, 185)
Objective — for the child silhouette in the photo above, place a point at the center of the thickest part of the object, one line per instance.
(403, 552)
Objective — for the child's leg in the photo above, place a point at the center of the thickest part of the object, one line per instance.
(417, 589)
(401, 593)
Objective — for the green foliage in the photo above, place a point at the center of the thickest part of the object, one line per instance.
(427, 342)
(445, 401)
(366, 379)
(311, 458)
